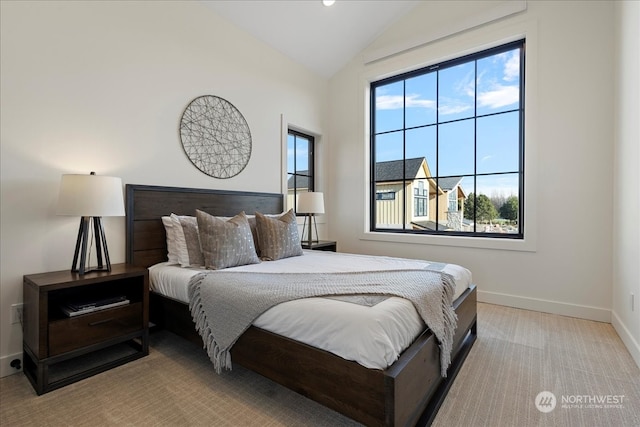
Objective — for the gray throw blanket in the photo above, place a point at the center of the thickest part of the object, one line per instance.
(223, 304)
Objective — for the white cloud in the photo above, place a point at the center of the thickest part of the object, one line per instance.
(485, 158)
(499, 96)
(453, 108)
(414, 101)
(389, 102)
(466, 85)
(512, 67)
(394, 102)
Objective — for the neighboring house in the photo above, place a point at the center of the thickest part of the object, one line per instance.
(423, 196)
(456, 196)
(300, 182)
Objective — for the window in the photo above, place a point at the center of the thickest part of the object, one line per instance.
(449, 139)
(453, 201)
(385, 195)
(300, 170)
(420, 200)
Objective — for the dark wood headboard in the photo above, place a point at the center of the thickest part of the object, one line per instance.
(146, 242)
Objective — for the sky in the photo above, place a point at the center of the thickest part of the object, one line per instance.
(301, 151)
(442, 104)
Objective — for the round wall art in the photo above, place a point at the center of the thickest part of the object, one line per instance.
(215, 136)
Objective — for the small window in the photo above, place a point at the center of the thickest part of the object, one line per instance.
(386, 195)
(300, 166)
(449, 139)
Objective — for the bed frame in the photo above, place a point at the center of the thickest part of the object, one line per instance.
(407, 393)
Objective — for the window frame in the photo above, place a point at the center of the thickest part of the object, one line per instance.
(520, 43)
(311, 177)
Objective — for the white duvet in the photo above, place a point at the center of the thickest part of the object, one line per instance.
(372, 336)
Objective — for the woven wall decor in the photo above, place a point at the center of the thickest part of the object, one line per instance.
(215, 136)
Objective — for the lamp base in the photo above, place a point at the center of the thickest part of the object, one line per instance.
(310, 240)
(80, 256)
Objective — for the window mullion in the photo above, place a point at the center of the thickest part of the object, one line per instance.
(475, 145)
(404, 155)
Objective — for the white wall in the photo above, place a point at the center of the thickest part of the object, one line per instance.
(101, 86)
(566, 267)
(626, 220)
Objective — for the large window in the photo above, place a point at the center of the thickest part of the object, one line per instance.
(448, 139)
(300, 170)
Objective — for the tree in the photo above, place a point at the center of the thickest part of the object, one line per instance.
(485, 211)
(469, 206)
(498, 199)
(509, 210)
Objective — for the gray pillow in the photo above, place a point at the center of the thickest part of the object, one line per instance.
(188, 248)
(278, 237)
(226, 243)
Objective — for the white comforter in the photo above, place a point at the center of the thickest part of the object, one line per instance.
(372, 336)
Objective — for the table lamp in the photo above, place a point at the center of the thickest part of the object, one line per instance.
(310, 203)
(90, 197)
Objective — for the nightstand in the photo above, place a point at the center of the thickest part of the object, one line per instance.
(322, 245)
(60, 349)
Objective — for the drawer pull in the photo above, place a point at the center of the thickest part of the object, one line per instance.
(99, 322)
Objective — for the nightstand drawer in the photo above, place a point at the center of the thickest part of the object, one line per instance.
(87, 329)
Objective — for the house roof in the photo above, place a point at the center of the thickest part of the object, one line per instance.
(449, 183)
(302, 181)
(387, 172)
(392, 170)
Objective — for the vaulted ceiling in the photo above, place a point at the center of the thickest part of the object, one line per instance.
(321, 38)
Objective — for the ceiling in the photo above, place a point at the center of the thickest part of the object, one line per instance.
(321, 38)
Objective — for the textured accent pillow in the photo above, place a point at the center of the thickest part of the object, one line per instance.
(187, 241)
(254, 226)
(278, 237)
(172, 246)
(226, 243)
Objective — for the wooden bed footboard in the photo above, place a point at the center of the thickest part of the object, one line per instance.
(408, 393)
(397, 396)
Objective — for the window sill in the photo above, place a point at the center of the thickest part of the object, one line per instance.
(525, 245)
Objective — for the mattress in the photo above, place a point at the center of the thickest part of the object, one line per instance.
(371, 335)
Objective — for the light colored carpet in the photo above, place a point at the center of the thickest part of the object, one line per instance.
(517, 355)
(521, 353)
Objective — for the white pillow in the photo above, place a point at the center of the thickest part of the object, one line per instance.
(172, 249)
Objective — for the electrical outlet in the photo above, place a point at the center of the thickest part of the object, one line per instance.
(16, 313)
(11, 364)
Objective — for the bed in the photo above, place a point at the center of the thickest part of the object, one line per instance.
(409, 392)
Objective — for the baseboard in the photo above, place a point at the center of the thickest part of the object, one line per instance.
(626, 337)
(546, 306)
(5, 365)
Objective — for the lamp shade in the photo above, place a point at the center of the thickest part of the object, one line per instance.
(90, 196)
(311, 202)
